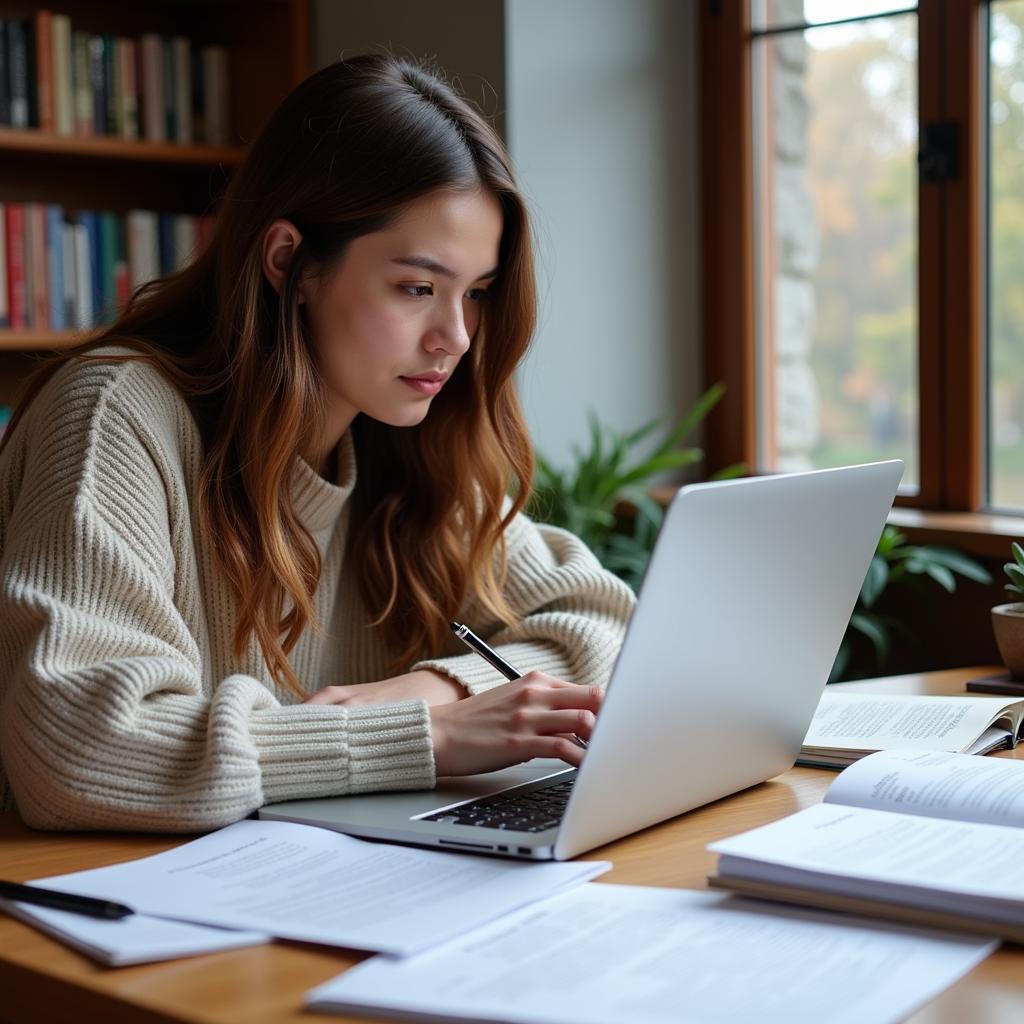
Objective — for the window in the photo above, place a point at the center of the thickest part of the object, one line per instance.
(835, 229)
(847, 228)
(1005, 383)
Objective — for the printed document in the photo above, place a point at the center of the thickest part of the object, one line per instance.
(604, 954)
(137, 939)
(314, 885)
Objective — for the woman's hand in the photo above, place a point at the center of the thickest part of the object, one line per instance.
(535, 716)
(425, 684)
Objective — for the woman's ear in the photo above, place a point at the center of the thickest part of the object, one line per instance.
(279, 245)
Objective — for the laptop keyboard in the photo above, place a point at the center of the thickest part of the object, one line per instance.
(532, 811)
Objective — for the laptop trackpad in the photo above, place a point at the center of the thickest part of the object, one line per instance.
(367, 809)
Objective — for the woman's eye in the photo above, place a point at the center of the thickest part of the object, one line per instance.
(418, 291)
(477, 294)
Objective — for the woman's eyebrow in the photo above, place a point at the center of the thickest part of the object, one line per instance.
(426, 263)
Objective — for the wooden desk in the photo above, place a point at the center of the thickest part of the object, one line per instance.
(41, 980)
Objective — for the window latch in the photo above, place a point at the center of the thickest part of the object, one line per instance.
(937, 152)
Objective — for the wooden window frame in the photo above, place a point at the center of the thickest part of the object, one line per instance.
(951, 256)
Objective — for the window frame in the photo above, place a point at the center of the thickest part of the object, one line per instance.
(951, 267)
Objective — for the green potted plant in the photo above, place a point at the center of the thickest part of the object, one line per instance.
(1008, 619)
(589, 497)
(909, 565)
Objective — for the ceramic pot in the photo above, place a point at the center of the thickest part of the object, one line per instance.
(1008, 625)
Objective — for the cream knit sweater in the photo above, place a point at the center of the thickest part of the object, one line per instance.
(121, 703)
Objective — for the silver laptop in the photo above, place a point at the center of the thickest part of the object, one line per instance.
(742, 609)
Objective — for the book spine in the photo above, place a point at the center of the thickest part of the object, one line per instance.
(32, 88)
(84, 278)
(55, 265)
(67, 240)
(91, 221)
(129, 86)
(186, 240)
(143, 249)
(82, 85)
(182, 89)
(39, 317)
(16, 281)
(122, 282)
(44, 70)
(167, 66)
(99, 99)
(110, 77)
(17, 50)
(5, 302)
(165, 228)
(5, 75)
(63, 103)
(153, 87)
(215, 85)
(108, 266)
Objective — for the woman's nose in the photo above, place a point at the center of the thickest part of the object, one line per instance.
(453, 332)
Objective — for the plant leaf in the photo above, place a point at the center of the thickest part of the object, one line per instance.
(955, 561)
(701, 408)
(943, 576)
(875, 630)
(875, 580)
(737, 469)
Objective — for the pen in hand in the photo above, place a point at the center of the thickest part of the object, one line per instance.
(88, 905)
(488, 653)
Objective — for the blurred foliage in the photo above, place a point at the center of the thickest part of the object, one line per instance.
(586, 497)
(896, 562)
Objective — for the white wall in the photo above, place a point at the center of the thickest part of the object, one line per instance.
(602, 126)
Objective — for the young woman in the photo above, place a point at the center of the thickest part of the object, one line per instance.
(236, 524)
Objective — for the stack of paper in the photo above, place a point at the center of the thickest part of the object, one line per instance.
(604, 954)
(314, 885)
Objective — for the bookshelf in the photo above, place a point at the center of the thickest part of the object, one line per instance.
(268, 48)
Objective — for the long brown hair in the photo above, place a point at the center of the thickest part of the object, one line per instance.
(341, 157)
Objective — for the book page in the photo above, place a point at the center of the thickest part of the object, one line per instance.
(614, 953)
(314, 885)
(854, 843)
(869, 721)
(938, 785)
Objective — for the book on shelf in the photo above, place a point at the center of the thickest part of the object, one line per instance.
(42, 43)
(62, 80)
(930, 838)
(848, 726)
(62, 70)
(64, 271)
(5, 306)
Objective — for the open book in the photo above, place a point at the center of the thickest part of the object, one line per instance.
(847, 726)
(928, 838)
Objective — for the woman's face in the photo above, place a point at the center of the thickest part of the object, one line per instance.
(392, 320)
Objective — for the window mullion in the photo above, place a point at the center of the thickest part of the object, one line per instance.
(963, 260)
(727, 232)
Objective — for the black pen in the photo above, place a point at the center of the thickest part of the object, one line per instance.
(488, 653)
(88, 905)
(471, 640)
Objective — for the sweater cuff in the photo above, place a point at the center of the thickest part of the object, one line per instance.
(478, 675)
(307, 751)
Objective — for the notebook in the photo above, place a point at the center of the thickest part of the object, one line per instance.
(741, 612)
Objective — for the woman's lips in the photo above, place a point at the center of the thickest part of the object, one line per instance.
(424, 387)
